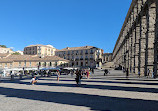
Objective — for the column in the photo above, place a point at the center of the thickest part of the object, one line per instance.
(151, 35)
(143, 44)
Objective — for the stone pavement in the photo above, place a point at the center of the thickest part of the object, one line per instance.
(100, 93)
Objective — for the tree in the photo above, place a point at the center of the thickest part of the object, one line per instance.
(16, 53)
(3, 46)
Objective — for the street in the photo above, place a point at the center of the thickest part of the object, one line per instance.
(100, 93)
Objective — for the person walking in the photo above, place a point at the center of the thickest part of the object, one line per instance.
(139, 74)
(58, 75)
(127, 73)
(148, 73)
(78, 77)
(88, 73)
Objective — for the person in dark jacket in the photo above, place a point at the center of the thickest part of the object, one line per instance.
(127, 73)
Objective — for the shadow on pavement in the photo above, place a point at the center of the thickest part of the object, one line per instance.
(104, 87)
(94, 102)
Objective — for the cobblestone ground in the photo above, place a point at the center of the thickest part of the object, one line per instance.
(107, 93)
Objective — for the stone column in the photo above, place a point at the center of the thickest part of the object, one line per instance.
(156, 42)
(137, 48)
(133, 49)
(143, 31)
(151, 35)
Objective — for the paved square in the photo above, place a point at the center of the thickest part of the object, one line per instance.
(107, 93)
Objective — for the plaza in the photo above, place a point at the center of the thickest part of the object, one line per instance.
(99, 93)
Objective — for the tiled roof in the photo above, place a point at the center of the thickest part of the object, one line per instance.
(77, 48)
(16, 58)
(4, 54)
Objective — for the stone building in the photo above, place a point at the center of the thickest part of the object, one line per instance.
(136, 47)
(6, 50)
(29, 61)
(86, 56)
(107, 57)
(40, 50)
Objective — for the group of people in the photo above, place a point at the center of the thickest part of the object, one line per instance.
(79, 74)
(139, 74)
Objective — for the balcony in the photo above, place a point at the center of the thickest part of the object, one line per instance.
(86, 53)
(81, 53)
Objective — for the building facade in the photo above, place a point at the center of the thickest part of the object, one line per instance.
(6, 50)
(40, 50)
(86, 56)
(107, 57)
(28, 61)
(136, 48)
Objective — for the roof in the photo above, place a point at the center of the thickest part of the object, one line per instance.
(77, 48)
(4, 54)
(41, 45)
(22, 58)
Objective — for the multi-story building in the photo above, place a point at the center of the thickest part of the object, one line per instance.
(107, 57)
(86, 56)
(31, 61)
(40, 50)
(6, 50)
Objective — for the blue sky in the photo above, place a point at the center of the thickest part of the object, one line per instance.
(62, 23)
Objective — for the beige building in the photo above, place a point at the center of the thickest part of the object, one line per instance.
(40, 50)
(86, 56)
(28, 61)
(6, 50)
(107, 57)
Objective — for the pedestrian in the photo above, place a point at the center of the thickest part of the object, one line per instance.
(58, 75)
(87, 72)
(139, 74)
(78, 77)
(33, 80)
(153, 76)
(148, 73)
(92, 71)
(105, 72)
(127, 73)
(72, 72)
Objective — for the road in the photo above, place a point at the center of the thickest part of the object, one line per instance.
(99, 93)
